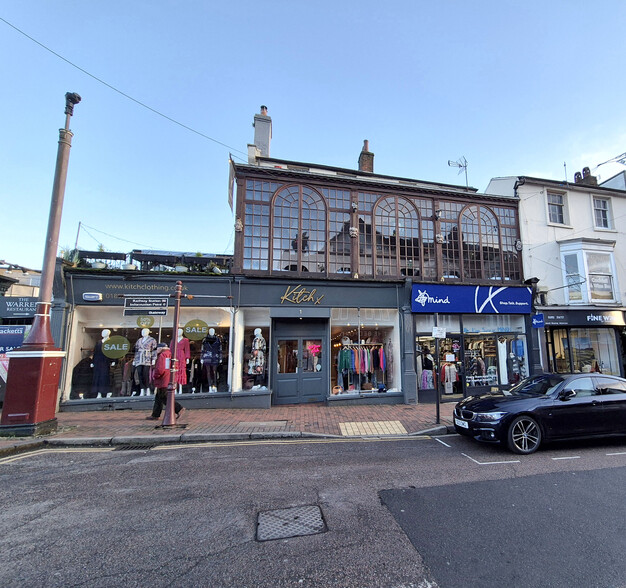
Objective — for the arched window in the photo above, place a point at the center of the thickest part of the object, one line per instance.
(480, 244)
(397, 238)
(299, 231)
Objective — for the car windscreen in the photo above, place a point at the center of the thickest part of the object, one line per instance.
(544, 384)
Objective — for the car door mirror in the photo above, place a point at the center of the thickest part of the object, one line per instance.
(565, 394)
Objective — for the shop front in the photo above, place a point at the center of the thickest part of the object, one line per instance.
(470, 339)
(242, 343)
(589, 340)
(327, 341)
(117, 320)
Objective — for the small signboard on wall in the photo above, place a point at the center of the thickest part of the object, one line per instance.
(439, 332)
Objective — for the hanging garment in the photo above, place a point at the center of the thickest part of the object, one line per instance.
(82, 377)
(127, 375)
(257, 359)
(211, 350)
(344, 359)
(117, 375)
(145, 351)
(101, 383)
(427, 379)
(504, 373)
(183, 353)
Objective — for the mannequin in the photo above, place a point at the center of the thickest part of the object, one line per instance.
(145, 355)
(82, 378)
(211, 357)
(183, 353)
(101, 364)
(428, 364)
(256, 363)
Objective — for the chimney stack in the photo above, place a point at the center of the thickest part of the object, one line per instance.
(263, 132)
(366, 158)
(586, 179)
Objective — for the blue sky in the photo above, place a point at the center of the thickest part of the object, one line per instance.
(516, 87)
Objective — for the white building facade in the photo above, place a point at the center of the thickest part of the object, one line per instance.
(574, 248)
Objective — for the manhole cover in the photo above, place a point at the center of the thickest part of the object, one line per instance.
(290, 522)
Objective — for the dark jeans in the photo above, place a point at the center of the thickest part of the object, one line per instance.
(160, 400)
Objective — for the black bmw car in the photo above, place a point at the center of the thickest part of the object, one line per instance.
(547, 407)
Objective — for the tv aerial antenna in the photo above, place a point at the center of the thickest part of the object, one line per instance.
(461, 163)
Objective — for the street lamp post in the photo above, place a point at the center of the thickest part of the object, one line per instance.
(169, 418)
(34, 369)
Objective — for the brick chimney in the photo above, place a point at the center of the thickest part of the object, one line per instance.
(263, 132)
(366, 158)
(586, 178)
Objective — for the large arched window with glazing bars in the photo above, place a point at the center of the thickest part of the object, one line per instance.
(478, 243)
(300, 229)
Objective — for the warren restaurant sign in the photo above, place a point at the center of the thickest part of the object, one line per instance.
(18, 306)
(471, 299)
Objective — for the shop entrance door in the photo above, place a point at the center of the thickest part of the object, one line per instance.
(301, 372)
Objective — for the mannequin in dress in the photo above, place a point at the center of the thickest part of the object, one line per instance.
(257, 359)
(211, 357)
(101, 364)
(145, 356)
(183, 353)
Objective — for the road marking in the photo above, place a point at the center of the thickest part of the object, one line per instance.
(440, 441)
(489, 462)
(287, 442)
(56, 450)
(569, 457)
(620, 453)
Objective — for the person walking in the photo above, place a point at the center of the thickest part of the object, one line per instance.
(161, 379)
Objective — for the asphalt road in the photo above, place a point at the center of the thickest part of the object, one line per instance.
(187, 516)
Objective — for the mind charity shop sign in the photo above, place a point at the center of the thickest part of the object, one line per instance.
(431, 298)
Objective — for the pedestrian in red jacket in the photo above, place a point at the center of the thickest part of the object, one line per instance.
(161, 379)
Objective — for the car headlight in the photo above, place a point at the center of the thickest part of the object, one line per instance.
(489, 417)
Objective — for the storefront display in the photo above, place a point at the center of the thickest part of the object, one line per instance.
(362, 351)
(456, 354)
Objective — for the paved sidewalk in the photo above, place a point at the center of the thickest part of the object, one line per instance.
(121, 427)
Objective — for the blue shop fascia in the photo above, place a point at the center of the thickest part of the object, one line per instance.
(471, 338)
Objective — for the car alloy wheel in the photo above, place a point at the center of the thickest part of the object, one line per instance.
(524, 435)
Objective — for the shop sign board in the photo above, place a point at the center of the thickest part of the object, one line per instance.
(538, 320)
(145, 306)
(11, 337)
(116, 347)
(584, 318)
(431, 298)
(18, 306)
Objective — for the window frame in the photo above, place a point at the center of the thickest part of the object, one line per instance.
(607, 211)
(582, 251)
(564, 213)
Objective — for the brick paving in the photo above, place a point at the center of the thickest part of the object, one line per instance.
(316, 419)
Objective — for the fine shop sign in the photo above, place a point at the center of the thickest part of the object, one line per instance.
(145, 306)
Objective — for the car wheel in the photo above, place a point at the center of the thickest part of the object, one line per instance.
(524, 435)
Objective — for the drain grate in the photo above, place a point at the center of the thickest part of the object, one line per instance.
(290, 522)
(135, 447)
